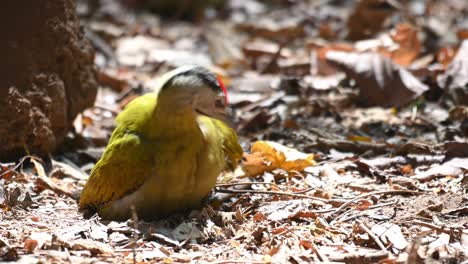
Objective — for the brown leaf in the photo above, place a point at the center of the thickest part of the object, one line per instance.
(363, 204)
(381, 82)
(407, 169)
(258, 48)
(110, 79)
(368, 18)
(30, 245)
(272, 29)
(462, 34)
(455, 149)
(45, 183)
(258, 217)
(445, 55)
(408, 45)
(307, 244)
(455, 79)
(319, 64)
(95, 247)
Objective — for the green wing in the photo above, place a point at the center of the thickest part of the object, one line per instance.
(123, 168)
(127, 160)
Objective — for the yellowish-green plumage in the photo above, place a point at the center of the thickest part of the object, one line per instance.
(159, 159)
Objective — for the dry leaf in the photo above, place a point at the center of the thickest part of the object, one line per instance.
(405, 47)
(45, 183)
(381, 82)
(401, 45)
(390, 234)
(445, 55)
(409, 46)
(268, 156)
(273, 29)
(36, 241)
(62, 170)
(462, 34)
(134, 51)
(318, 59)
(258, 217)
(95, 247)
(30, 245)
(455, 80)
(224, 44)
(453, 167)
(368, 18)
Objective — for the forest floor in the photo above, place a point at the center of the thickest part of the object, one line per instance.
(354, 126)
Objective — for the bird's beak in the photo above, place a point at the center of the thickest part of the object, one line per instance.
(226, 115)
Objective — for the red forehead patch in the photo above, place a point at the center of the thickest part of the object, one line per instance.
(223, 88)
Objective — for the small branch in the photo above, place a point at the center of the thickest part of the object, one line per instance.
(274, 58)
(105, 108)
(371, 257)
(233, 261)
(351, 146)
(135, 228)
(393, 192)
(442, 229)
(246, 183)
(22, 160)
(273, 193)
(372, 235)
(366, 214)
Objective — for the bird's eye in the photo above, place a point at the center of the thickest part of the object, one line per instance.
(219, 103)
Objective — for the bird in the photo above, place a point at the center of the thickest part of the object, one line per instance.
(166, 151)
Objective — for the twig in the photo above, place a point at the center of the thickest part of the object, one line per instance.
(135, 227)
(366, 213)
(371, 257)
(233, 261)
(274, 58)
(246, 183)
(351, 146)
(22, 160)
(102, 46)
(105, 108)
(274, 193)
(343, 206)
(443, 229)
(307, 134)
(372, 235)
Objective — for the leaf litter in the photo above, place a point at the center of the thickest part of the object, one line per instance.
(326, 178)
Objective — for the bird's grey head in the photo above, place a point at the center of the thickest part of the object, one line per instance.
(197, 87)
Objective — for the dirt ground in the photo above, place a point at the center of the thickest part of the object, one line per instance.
(368, 138)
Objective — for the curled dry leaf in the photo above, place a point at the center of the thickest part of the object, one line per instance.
(409, 46)
(453, 167)
(401, 45)
(455, 79)
(268, 156)
(381, 82)
(95, 247)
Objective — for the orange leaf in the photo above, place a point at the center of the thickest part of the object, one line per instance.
(30, 245)
(258, 217)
